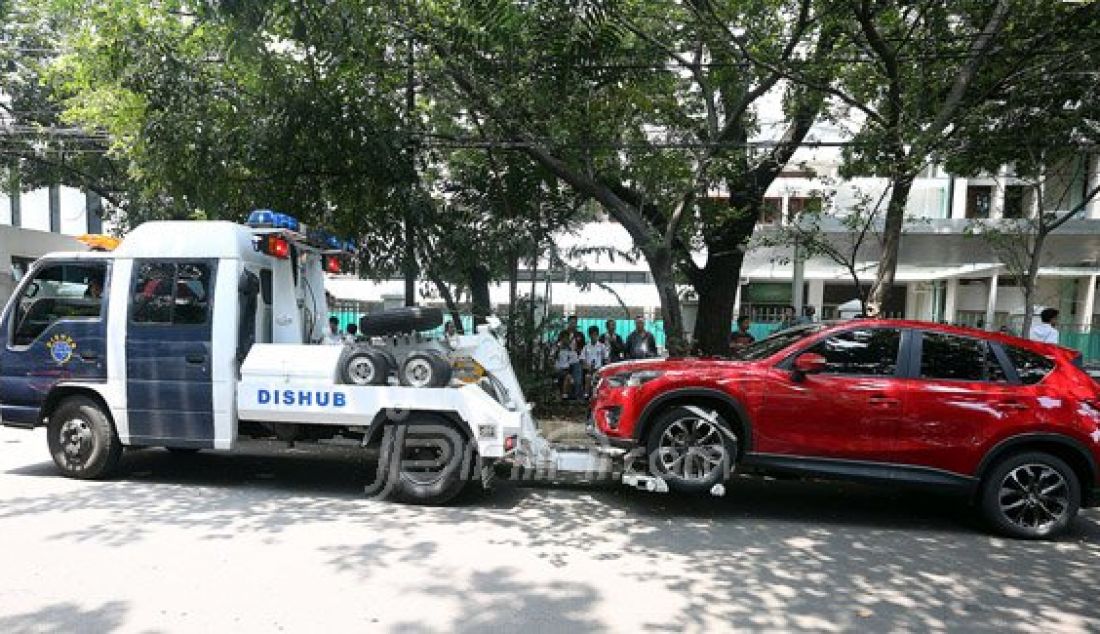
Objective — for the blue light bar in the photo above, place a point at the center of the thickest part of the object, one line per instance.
(349, 246)
(333, 242)
(261, 218)
(284, 221)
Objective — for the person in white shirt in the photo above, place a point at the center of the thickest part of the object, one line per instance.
(594, 355)
(333, 337)
(564, 359)
(1047, 328)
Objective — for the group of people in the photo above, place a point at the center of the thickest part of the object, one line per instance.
(577, 358)
(336, 337)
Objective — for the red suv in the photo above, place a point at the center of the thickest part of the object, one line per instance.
(1012, 423)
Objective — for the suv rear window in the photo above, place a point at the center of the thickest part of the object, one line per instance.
(953, 358)
(1030, 366)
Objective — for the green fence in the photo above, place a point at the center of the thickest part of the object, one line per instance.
(1087, 343)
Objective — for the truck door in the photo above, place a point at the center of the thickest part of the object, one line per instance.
(169, 388)
(55, 329)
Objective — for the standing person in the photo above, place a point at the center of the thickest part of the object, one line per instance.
(1047, 328)
(616, 349)
(786, 318)
(333, 337)
(565, 359)
(353, 333)
(741, 337)
(641, 344)
(809, 315)
(593, 356)
(576, 343)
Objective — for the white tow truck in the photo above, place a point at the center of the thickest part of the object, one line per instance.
(206, 335)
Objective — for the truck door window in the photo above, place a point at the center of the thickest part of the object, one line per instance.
(171, 292)
(57, 291)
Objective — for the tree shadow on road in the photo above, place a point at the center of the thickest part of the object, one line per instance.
(769, 555)
(67, 617)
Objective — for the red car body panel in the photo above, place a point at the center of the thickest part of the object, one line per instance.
(945, 425)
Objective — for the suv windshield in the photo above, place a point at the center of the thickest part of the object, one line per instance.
(768, 346)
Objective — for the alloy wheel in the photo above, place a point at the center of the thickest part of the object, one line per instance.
(1034, 497)
(692, 449)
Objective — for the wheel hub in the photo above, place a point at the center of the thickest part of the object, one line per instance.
(76, 440)
(692, 449)
(1034, 497)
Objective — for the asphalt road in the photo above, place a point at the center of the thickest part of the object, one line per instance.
(287, 543)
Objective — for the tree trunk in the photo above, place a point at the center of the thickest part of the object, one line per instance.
(660, 265)
(513, 296)
(717, 289)
(1034, 259)
(449, 300)
(891, 241)
(481, 305)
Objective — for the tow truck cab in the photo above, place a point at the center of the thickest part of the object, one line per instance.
(156, 330)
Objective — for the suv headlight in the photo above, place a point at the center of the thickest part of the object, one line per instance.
(633, 379)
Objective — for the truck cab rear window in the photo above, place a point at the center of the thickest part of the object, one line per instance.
(171, 292)
(1030, 367)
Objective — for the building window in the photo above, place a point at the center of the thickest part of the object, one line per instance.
(1015, 197)
(799, 205)
(979, 199)
(771, 211)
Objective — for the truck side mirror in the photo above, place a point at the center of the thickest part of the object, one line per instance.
(808, 363)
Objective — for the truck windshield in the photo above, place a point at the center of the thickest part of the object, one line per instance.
(770, 345)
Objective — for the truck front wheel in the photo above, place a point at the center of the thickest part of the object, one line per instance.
(425, 461)
(82, 439)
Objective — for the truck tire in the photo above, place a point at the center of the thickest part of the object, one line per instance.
(364, 366)
(400, 320)
(428, 461)
(692, 448)
(82, 439)
(1030, 495)
(425, 368)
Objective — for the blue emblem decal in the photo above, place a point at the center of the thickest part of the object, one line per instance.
(62, 348)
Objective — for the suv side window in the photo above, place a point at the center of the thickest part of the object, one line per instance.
(58, 291)
(864, 351)
(1030, 367)
(950, 357)
(170, 292)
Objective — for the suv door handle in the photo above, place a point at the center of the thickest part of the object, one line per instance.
(1013, 405)
(196, 359)
(883, 401)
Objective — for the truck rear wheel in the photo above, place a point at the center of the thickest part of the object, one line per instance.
(426, 461)
(82, 439)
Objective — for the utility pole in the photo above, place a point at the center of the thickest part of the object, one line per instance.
(410, 251)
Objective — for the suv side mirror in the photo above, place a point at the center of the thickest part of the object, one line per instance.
(809, 363)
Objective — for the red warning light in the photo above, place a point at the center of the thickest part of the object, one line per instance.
(332, 264)
(277, 247)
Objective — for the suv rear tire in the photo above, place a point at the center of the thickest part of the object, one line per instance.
(82, 439)
(692, 448)
(1030, 495)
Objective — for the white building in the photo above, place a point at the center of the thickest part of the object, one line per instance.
(37, 222)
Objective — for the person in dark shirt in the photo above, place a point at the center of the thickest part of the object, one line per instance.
(741, 337)
(641, 344)
(615, 347)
